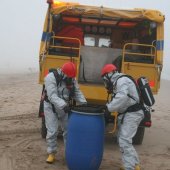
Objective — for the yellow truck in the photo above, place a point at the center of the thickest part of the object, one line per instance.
(92, 36)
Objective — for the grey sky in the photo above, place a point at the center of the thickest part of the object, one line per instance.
(22, 24)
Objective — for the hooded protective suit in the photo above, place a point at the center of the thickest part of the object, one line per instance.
(58, 95)
(128, 122)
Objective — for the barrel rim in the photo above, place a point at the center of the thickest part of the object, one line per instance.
(85, 113)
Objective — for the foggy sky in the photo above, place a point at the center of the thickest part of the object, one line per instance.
(22, 24)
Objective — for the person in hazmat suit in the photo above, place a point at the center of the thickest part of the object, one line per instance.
(60, 86)
(130, 114)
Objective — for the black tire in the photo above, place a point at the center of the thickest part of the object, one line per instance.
(43, 128)
(138, 138)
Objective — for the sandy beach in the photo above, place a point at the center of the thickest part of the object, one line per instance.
(21, 145)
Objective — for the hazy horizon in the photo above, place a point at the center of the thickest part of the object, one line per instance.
(22, 25)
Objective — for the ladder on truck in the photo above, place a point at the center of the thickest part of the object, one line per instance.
(141, 62)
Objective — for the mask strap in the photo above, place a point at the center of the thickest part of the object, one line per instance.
(109, 77)
(110, 84)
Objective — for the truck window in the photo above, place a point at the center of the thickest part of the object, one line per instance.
(104, 42)
(89, 41)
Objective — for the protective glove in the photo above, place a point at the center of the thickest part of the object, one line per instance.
(104, 108)
(83, 104)
(107, 114)
(66, 109)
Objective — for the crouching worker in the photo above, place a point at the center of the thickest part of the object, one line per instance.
(61, 86)
(123, 92)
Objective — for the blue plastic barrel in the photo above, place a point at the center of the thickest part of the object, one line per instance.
(85, 139)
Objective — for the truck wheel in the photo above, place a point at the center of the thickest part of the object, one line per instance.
(43, 128)
(138, 138)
